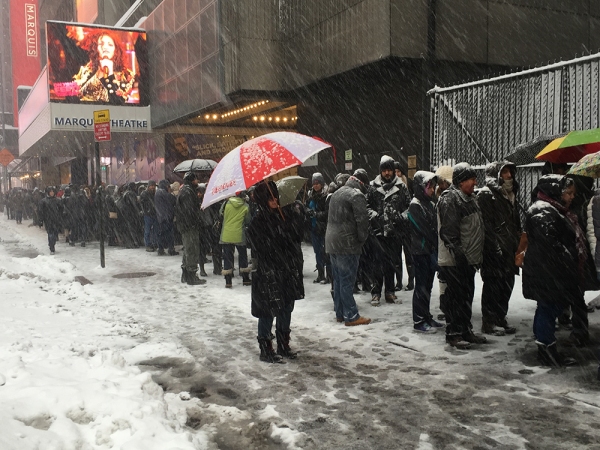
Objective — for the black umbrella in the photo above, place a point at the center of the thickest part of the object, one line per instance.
(192, 165)
(525, 153)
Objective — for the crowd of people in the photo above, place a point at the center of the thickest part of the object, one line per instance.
(363, 232)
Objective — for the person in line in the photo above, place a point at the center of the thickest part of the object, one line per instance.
(553, 267)
(50, 214)
(460, 254)
(316, 211)
(386, 202)
(129, 210)
(150, 222)
(444, 181)
(499, 210)
(347, 231)
(187, 211)
(405, 247)
(423, 241)
(276, 282)
(236, 217)
(164, 204)
(110, 224)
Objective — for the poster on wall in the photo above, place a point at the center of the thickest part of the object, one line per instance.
(96, 65)
(181, 147)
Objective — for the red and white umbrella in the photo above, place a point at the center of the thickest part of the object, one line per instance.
(256, 160)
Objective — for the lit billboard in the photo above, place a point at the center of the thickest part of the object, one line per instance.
(97, 65)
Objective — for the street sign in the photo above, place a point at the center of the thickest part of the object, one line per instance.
(348, 155)
(6, 157)
(348, 166)
(102, 125)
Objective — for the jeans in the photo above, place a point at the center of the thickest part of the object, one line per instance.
(344, 269)
(150, 231)
(318, 243)
(459, 298)
(284, 319)
(544, 322)
(228, 253)
(425, 269)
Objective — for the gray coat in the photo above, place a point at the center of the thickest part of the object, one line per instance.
(348, 224)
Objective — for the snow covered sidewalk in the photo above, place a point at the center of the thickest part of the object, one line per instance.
(149, 363)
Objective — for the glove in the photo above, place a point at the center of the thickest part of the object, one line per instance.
(310, 213)
(372, 214)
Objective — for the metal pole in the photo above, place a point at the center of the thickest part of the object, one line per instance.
(100, 199)
(5, 15)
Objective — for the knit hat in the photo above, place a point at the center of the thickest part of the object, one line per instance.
(151, 183)
(462, 172)
(361, 175)
(318, 178)
(387, 162)
(189, 177)
(444, 173)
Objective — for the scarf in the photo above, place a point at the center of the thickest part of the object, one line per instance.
(580, 239)
(507, 190)
(389, 184)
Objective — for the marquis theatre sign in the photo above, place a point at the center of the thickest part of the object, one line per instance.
(31, 29)
(81, 118)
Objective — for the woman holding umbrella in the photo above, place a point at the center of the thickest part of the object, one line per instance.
(277, 283)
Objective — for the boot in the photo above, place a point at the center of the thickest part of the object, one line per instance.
(267, 354)
(327, 279)
(283, 345)
(473, 338)
(489, 328)
(217, 267)
(411, 277)
(228, 281)
(246, 279)
(193, 280)
(173, 252)
(507, 328)
(549, 356)
(202, 271)
(320, 275)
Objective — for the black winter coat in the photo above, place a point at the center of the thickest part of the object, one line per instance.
(50, 213)
(129, 208)
(187, 209)
(317, 201)
(277, 280)
(422, 218)
(387, 202)
(502, 227)
(147, 203)
(164, 204)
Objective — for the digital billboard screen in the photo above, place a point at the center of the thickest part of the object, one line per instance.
(97, 65)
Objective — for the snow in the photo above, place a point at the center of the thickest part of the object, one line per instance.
(150, 363)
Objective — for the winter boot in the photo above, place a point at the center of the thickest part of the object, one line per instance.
(267, 354)
(328, 277)
(193, 280)
(507, 328)
(173, 252)
(320, 275)
(549, 356)
(489, 328)
(283, 345)
(228, 278)
(411, 277)
(246, 278)
(473, 338)
(202, 271)
(217, 266)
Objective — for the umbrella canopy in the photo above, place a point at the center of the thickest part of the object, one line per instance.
(192, 165)
(256, 160)
(288, 188)
(525, 153)
(572, 147)
(588, 166)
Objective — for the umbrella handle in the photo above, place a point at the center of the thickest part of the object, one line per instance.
(273, 196)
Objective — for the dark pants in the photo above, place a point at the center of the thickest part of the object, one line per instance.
(459, 298)
(318, 243)
(191, 255)
(165, 235)
(384, 266)
(579, 317)
(425, 269)
(52, 238)
(544, 322)
(284, 320)
(495, 295)
(228, 252)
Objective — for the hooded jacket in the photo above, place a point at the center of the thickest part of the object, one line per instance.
(387, 202)
(348, 225)
(550, 267)
(501, 220)
(422, 217)
(236, 217)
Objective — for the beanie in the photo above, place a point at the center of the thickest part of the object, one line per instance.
(151, 183)
(444, 173)
(386, 162)
(462, 172)
(189, 177)
(361, 175)
(318, 178)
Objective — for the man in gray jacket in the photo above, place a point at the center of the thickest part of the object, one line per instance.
(347, 230)
(460, 253)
